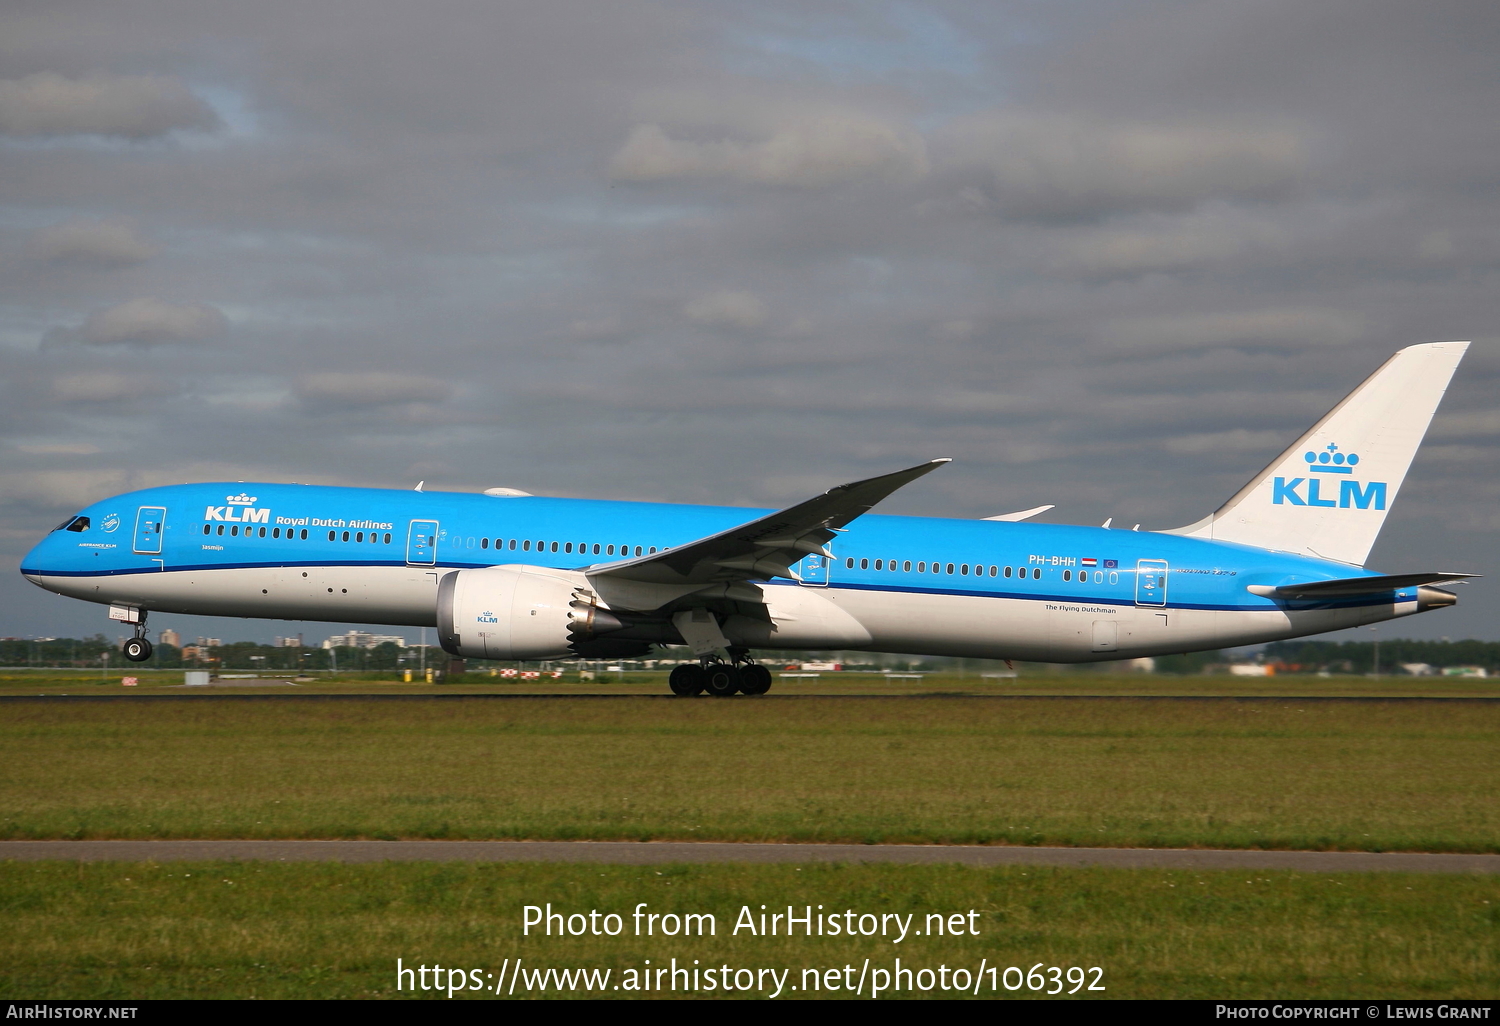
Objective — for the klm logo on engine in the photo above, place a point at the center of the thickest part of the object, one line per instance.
(487, 617)
(1352, 494)
(239, 511)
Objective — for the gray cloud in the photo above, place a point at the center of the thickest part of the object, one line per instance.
(130, 106)
(369, 388)
(148, 322)
(811, 152)
(1295, 328)
(105, 241)
(727, 309)
(107, 386)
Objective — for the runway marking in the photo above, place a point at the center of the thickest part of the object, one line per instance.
(645, 853)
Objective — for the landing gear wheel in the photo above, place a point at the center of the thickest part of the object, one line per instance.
(137, 650)
(755, 679)
(723, 680)
(688, 680)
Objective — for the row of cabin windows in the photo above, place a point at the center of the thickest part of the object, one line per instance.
(582, 548)
(274, 533)
(376, 538)
(963, 570)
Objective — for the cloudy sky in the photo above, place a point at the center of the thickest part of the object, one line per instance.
(1109, 256)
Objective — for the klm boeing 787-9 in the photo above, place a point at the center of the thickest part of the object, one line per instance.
(505, 575)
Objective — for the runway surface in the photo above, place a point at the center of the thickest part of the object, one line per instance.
(636, 853)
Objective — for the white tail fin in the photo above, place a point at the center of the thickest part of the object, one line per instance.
(1329, 493)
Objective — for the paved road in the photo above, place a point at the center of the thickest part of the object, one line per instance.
(633, 853)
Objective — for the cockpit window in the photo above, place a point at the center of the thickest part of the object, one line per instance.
(74, 524)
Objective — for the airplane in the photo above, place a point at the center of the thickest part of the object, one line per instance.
(511, 576)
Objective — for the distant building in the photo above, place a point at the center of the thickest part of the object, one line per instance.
(170, 637)
(1465, 671)
(1419, 669)
(363, 639)
(209, 643)
(294, 642)
(1252, 669)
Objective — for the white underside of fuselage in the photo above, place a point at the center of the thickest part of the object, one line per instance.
(806, 618)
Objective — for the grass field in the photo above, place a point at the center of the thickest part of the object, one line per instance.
(1418, 776)
(223, 930)
(1053, 681)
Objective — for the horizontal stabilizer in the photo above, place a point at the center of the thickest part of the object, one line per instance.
(1355, 585)
(1025, 514)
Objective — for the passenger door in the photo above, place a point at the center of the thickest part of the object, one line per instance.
(149, 521)
(422, 542)
(812, 571)
(1151, 582)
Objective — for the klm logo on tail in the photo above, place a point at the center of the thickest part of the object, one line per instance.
(1352, 494)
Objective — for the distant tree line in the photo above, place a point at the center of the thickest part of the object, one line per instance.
(1359, 656)
(242, 655)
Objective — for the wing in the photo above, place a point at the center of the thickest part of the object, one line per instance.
(767, 547)
(1355, 585)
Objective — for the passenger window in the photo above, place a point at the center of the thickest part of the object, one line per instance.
(568, 547)
(994, 571)
(1067, 575)
(360, 536)
(346, 536)
(596, 549)
(1007, 571)
(207, 528)
(891, 565)
(234, 532)
(638, 551)
(304, 534)
(922, 567)
(275, 532)
(512, 545)
(484, 543)
(964, 570)
(879, 564)
(950, 568)
(387, 539)
(1036, 575)
(849, 563)
(609, 550)
(864, 564)
(652, 550)
(261, 533)
(554, 546)
(906, 567)
(526, 546)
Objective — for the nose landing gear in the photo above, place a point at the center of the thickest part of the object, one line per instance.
(137, 649)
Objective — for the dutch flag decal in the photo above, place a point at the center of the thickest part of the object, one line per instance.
(1089, 561)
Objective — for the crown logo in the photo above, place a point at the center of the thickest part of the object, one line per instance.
(240, 500)
(1331, 460)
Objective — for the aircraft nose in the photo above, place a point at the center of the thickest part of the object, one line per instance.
(34, 565)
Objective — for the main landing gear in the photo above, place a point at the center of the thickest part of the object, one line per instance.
(720, 679)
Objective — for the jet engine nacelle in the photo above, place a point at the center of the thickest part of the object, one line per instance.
(508, 612)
